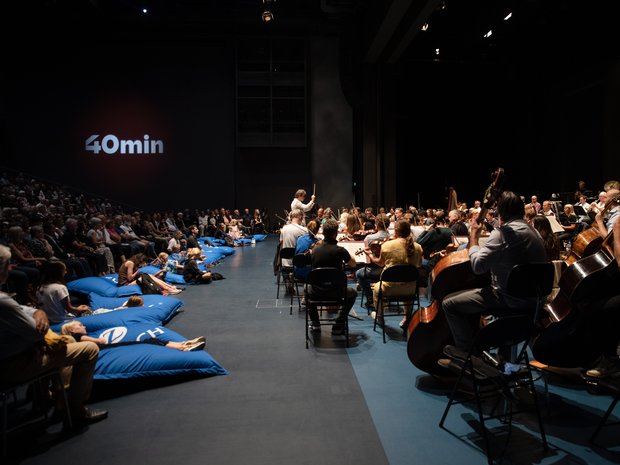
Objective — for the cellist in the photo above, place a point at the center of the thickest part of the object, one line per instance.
(604, 320)
(514, 242)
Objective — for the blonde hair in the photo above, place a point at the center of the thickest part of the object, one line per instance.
(194, 251)
(69, 328)
(162, 258)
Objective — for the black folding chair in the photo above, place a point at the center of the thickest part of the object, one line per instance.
(325, 292)
(283, 276)
(397, 301)
(484, 376)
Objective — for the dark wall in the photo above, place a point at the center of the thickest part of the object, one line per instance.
(56, 98)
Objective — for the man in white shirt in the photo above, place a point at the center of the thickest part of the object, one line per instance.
(298, 203)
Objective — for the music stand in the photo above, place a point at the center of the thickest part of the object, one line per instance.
(579, 211)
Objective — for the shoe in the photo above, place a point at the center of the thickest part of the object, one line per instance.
(403, 323)
(373, 315)
(196, 340)
(337, 330)
(195, 346)
(89, 416)
(174, 291)
(315, 328)
(605, 368)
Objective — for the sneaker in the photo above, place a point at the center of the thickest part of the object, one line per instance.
(403, 322)
(605, 368)
(315, 328)
(195, 346)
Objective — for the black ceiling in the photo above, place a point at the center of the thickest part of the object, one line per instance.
(385, 31)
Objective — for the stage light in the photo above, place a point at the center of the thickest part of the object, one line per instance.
(508, 16)
(488, 34)
(425, 27)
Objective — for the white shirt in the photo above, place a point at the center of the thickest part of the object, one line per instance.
(304, 207)
(50, 297)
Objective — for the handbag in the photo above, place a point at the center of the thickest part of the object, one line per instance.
(148, 284)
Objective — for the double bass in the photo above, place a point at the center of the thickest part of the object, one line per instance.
(564, 340)
(428, 331)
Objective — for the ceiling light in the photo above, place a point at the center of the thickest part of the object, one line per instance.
(267, 16)
(508, 16)
(425, 27)
(436, 51)
(267, 13)
(488, 34)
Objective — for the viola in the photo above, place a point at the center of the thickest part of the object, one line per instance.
(428, 331)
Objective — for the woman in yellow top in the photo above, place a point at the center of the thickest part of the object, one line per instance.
(400, 250)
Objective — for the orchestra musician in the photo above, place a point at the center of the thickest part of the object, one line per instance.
(298, 202)
(515, 242)
(605, 225)
(370, 273)
(400, 250)
(604, 319)
(330, 254)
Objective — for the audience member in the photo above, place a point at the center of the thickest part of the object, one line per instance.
(25, 353)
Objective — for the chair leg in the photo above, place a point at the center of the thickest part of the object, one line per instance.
(601, 423)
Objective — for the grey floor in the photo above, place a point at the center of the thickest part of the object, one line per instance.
(284, 404)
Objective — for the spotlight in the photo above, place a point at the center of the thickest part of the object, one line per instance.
(267, 13)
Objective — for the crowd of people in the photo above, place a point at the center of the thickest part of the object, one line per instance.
(50, 235)
(514, 233)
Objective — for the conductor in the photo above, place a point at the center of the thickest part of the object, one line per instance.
(298, 201)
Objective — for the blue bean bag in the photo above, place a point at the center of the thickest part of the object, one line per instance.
(106, 286)
(148, 360)
(158, 309)
(259, 237)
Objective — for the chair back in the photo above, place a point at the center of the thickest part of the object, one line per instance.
(287, 253)
(530, 280)
(402, 273)
(327, 278)
(301, 260)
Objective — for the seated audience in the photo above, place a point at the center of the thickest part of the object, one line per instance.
(25, 351)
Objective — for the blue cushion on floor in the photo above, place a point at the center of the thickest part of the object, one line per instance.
(103, 285)
(147, 360)
(158, 309)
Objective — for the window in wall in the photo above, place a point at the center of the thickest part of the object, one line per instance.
(271, 92)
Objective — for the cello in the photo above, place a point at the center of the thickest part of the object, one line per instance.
(590, 240)
(428, 331)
